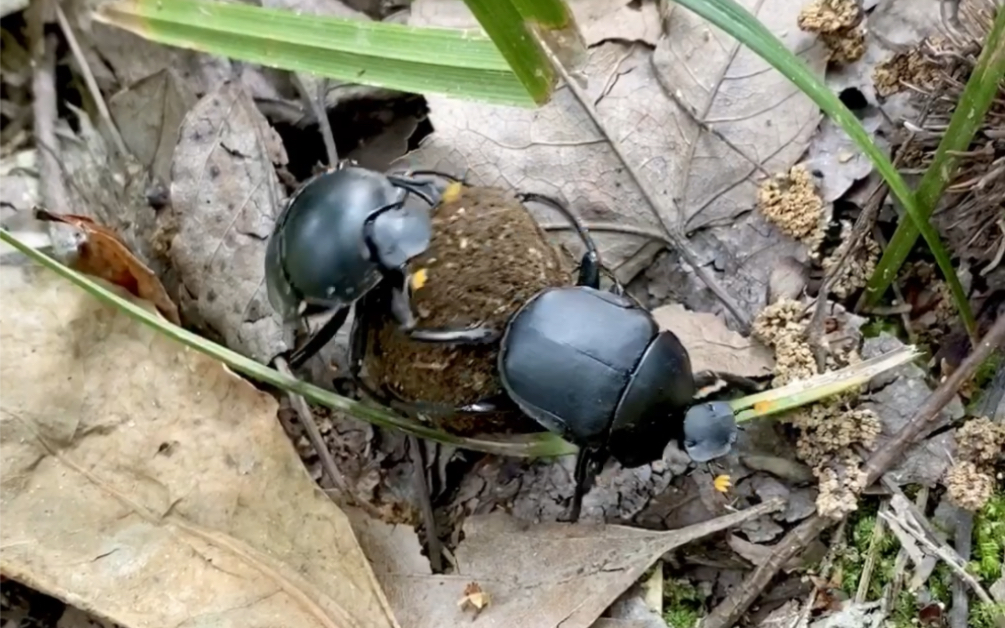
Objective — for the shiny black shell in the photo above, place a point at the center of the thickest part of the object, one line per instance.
(594, 367)
(316, 250)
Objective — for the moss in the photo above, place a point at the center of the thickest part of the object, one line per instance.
(683, 603)
(989, 540)
(986, 615)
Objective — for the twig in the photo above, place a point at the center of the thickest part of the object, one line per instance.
(927, 414)
(960, 610)
(92, 85)
(673, 233)
(43, 84)
(415, 447)
(944, 552)
(736, 604)
(609, 227)
(825, 573)
(862, 593)
(303, 410)
(316, 102)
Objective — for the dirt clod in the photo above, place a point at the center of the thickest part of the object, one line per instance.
(780, 326)
(836, 21)
(840, 485)
(829, 16)
(981, 441)
(791, 201)
(487, 257)
(968, 487)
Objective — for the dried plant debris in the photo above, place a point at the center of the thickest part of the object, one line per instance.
(792, 202)
(970, 482)
(936, 71)
(837, 23)
(856, 270)
(828, 432)
(903, 69)
(968, 487)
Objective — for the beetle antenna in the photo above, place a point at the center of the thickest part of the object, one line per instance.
(577, 224)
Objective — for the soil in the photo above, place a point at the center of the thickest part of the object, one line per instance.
(487, 257)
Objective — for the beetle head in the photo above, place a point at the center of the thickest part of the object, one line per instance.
(709, 431)
(400, 234)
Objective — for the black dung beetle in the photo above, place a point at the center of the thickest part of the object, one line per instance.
(341, 234)
(593, 367)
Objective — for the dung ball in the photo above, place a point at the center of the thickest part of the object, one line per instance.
(486, 258)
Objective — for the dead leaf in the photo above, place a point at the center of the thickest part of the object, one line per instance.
(225, 199)
(151, 486)
(98, 251)
(643, 97)
(539, 576)
(839, 159)
(713, 346)
(149, 114)
(474, 598)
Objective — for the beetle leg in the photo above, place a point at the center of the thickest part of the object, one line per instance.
(706, 379)
(321, 337)
(427, 190)
(588, 464)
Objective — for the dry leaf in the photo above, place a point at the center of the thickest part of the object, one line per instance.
(539, 576)
(713, 346)
(149, 114)
(644, 97)
(149, 485)
(225, 198)
(98, 251)
(474, 598)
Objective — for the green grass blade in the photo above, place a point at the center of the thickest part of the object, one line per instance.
(543, 444)
(739, 23)
(803, 392)
(507, 28)
(977, 96)
(457, 63)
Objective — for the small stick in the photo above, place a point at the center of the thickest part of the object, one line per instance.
(43, 84)
(960, 610)
(316, 102)
(92, 85)
(673, 233)
(947, 554)
(862, 593)
(303, 410)
(426, 504)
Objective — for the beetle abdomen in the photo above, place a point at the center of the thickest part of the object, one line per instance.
(567, 357)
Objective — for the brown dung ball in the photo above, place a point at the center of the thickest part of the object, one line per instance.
(487, 257)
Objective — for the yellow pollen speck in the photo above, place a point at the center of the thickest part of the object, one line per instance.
(722, 483)
(452, 193)
(418, 278)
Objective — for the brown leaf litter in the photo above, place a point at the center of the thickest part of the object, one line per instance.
(970, 482)
(830, 430)
(95, 250)
(837, 23)
(487, 257)
(126, 457)
(935, 71)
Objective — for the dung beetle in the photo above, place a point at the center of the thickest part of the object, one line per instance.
(593, 367)
(341, 234)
